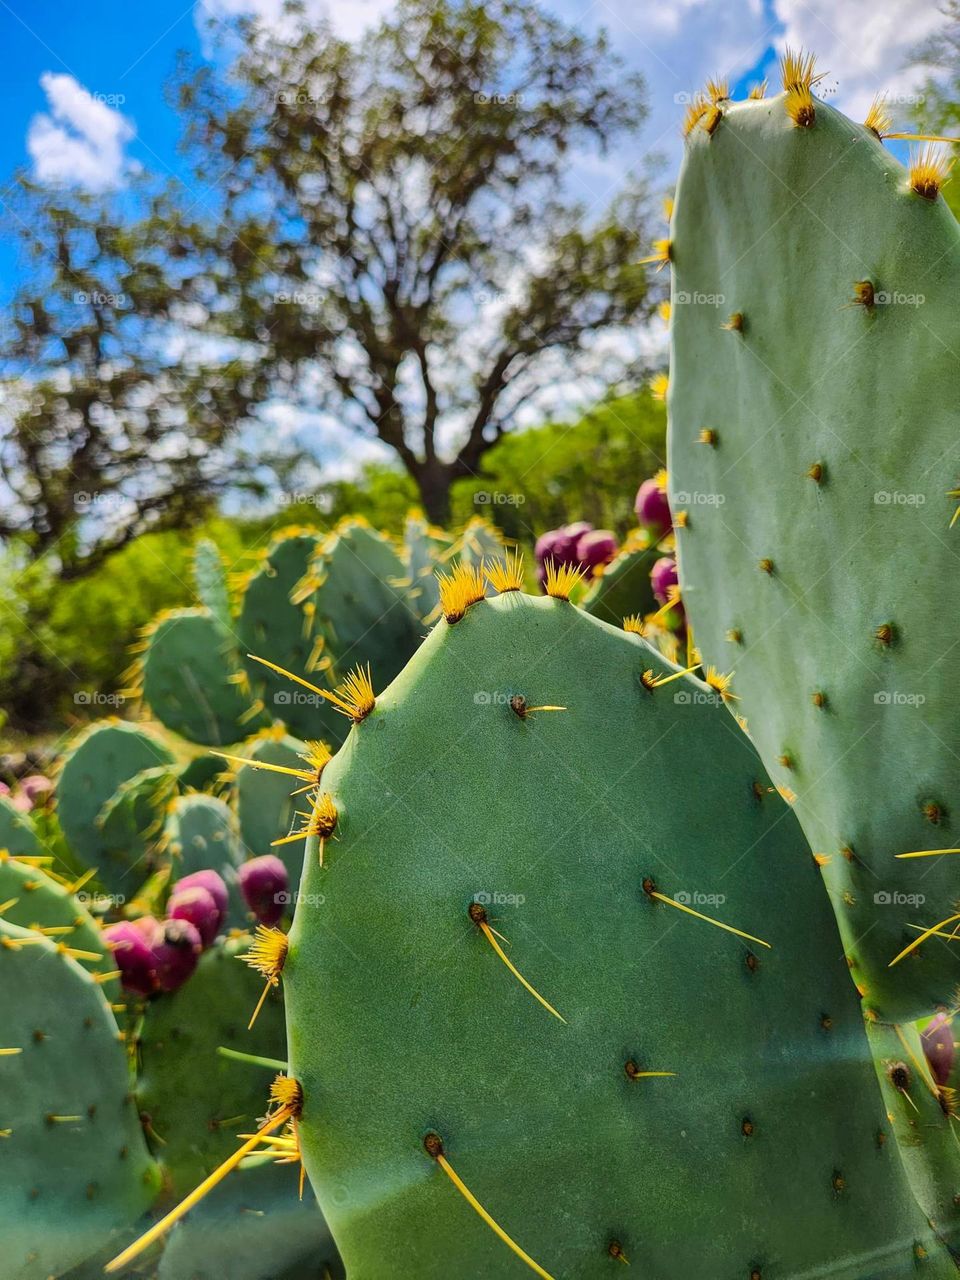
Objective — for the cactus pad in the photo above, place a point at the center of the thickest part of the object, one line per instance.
(406, 1030)
(74, 1166)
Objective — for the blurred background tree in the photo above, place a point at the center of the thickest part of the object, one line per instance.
(395, 237)
(389, 240)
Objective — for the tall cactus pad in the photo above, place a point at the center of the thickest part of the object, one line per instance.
(102, 758)
(404, 1023)
(196, 1099)
(424, 545)
(211, 580)
(193, 681)
(816, 556)
(253, 1227)
(74, 1165)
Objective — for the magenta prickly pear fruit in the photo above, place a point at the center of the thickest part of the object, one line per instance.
(546, 545)
(130, 942)
(199, 907)
(663, 576)
(938, 1046)
(36, 787)
(264, 884)
(653, 508)
(212, 881)
(176, 950)
(596, 548)
(565, 546)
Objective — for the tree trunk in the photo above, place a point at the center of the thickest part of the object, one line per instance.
(434, 486)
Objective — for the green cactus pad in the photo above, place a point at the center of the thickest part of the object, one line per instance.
(205, 772)
(211, 582)
(40, 902)
(193, 681)
(196, 1099)
(623, 588)
(131, 820)
(253, 1227)
(477, 541)
(266, 803)
(273, 627)
(75, 1167)
(423, 547)
(201, 833)
(98, 763)
(818, 521)
(361, 607)
(17, 836)
(402, 1021)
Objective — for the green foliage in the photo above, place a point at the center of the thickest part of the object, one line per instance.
(75, 1166)
(402, 1021)
(588, 470)
(827, 548)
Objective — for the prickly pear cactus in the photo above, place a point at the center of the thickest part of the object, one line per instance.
(104, 757)
(424, 547)
(623, 587)
(195, 1100)
(75, 1169)
(211, 581)
(192, 679)
(253, 1227)
(265, 801)
(201, 834)
(34, 900)
(272, 626)
(812, 456)
(17, 836)
(360, 607)
(131, 820)
(649, 1043)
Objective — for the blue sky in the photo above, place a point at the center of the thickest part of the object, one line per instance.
(83, 97)
(82, 92)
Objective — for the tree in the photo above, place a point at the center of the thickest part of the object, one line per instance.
(394, 237)
(111, 422)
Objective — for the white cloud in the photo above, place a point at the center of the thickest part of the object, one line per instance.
(350, 18)
(80, 140)
(863, 45)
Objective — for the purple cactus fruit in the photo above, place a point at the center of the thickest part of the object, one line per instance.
(565, 546)
(938, 1046)
(199, 907)
(653, 509)
(214, 885)
(546, 544)
(176, 951)
(36, 787)
(596, 548)
(265, 887)
(664, 575)
(130, 943)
